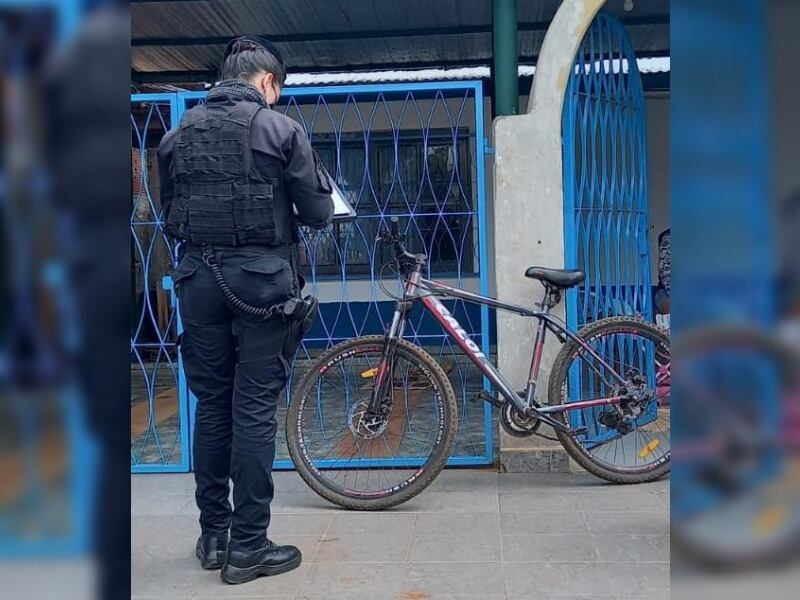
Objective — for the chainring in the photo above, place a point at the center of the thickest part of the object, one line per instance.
(516, 424)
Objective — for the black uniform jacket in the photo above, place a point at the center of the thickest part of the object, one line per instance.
(273, 137)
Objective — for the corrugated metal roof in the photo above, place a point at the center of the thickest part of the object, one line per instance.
(317, 35)
(646, 65)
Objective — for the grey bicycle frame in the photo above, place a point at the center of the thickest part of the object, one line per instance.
(428, 292)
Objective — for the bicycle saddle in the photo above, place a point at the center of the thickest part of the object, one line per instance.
(563, 278)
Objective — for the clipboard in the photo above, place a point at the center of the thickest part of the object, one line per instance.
(343, 211)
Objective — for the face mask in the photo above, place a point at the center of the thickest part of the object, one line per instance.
(275, 95)
(277, 92)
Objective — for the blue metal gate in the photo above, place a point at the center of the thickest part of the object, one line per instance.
(605, 180)
(159, 409)
(411, 150)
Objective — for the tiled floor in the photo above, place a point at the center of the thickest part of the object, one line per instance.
(473, 535)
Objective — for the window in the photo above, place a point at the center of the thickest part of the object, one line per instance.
(428, 185)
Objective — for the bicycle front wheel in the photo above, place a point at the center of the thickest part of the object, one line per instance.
(627, 442)
(363, 465)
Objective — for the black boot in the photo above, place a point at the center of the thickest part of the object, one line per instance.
(211, 549)
(242, 566)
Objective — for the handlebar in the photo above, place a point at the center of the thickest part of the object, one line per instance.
(402, 256)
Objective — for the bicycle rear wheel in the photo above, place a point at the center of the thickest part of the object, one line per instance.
(625, 443)
(375, 467)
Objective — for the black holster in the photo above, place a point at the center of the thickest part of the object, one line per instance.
(299, 325)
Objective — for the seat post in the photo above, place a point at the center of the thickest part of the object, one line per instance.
(552, 296)
(544, 304)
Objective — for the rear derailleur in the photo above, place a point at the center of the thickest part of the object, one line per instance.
(634, 399)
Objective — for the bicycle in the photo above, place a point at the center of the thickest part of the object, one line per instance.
(609, 385)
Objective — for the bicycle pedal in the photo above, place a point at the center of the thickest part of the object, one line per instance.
(484, 396)
(579, 430)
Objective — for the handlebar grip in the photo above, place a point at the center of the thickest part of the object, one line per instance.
(395, 226)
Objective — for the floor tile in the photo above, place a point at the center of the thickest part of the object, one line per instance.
(620, 498)
(340, 548)
(161, 484)
(301, 502)
(457, 578)
(549, 548)
(163, 537)
(417, 595)
(164, 578)
(454, 547)
(630, 522)
(293, 524)
(160, 504)
(542, 522)
(371, 523)
(355, 581)
(465, 480)
(639, 579)
(632, 548)
(469, 502)
(479, 524)
(530, 482)
(548, 500)
(542, 580)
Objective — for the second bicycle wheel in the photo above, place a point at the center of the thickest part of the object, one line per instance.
(363, 466)
(628, 442)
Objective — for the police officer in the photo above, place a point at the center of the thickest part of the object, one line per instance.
(230, 174)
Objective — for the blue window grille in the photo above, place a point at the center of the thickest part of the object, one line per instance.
(159, 409)
(605, 186)
(411, 150)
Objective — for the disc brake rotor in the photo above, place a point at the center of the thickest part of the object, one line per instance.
(363, 425)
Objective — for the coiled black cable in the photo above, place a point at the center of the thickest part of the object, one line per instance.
(265, 312)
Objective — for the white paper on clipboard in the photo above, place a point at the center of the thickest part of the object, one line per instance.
(342, 210)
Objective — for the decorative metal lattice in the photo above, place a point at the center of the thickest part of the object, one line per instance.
(605, 178)
(605, 192)
(414, 151)
(159, 424)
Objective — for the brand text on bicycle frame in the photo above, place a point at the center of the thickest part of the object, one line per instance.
(457, 330)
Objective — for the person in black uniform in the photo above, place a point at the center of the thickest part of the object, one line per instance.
(230, 174)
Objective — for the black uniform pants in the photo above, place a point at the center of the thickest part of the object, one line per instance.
(235, 367)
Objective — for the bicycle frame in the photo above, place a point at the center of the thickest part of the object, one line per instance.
(428, 292)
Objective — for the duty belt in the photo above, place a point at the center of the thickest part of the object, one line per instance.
(292, 309)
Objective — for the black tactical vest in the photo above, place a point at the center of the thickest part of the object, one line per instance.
(220, 198)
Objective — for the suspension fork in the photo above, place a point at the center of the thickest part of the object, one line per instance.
(380, 402)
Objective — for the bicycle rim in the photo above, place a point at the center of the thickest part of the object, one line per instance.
(370, 463)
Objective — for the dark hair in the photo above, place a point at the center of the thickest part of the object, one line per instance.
(247, 60)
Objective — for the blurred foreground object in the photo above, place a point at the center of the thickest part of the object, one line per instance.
(736, 501)
(736, 424)
(65, 277)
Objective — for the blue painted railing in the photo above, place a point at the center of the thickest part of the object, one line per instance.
(605, 187)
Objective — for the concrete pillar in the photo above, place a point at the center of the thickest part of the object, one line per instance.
(529, 218)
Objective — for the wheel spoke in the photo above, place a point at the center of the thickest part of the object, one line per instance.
(373, 458)
(631, 437)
